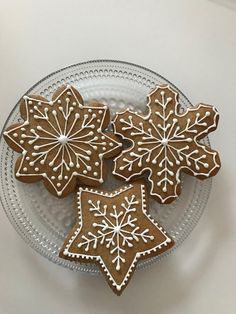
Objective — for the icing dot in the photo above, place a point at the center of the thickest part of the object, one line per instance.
(27, 158)
(89, 110)
(58, 184)
(101, 180)
(36, 169)
(31, 111)
(30, 102)
(15, 134)
(74, 103)
(103, 137)
(208, 113)
(95, 174)
(100, 111)
(66, 177)
(104, 148)
(69, 93)
(111, 144)
(53, 177)
(85, 171)
(25, 169)
(71, 164)
(31, 163)
(62, 139)
(89, 168)
(164, 141)
(96, 163)
(206, 165)
(98, 120)
(21, 142)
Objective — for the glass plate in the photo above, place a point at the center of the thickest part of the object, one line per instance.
(41, 219)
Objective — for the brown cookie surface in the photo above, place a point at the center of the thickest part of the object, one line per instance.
(114, 230)
(166, 142)
(62, 141)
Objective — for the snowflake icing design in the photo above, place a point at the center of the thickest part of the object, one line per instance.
(61, 140)
(165, 142)
(116, 232)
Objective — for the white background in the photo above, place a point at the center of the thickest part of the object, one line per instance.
(193, 44)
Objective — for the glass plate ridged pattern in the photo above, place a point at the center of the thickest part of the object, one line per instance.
(41, 219)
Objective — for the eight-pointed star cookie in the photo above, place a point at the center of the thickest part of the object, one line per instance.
(114, 230)
(62, 140)
(165, 142)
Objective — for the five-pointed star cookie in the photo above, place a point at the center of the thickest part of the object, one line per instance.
(114, 230)
(62, 140)
(165, 142)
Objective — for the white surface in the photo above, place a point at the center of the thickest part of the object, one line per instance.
(193, 44)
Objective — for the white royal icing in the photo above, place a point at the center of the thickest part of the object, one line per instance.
(63, 141)
(117, 236)
(162, 138)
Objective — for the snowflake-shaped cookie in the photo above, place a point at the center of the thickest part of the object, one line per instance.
(114, 230)
(165, 142)
(61, 141)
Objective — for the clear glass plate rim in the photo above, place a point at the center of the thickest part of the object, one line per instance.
(101, 61)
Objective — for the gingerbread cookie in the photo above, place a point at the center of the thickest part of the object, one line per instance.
(114, 230)
(165, 142)
(62, 141)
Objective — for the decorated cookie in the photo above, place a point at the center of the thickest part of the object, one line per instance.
(62, 141)
(165, 142)
(114, 230)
